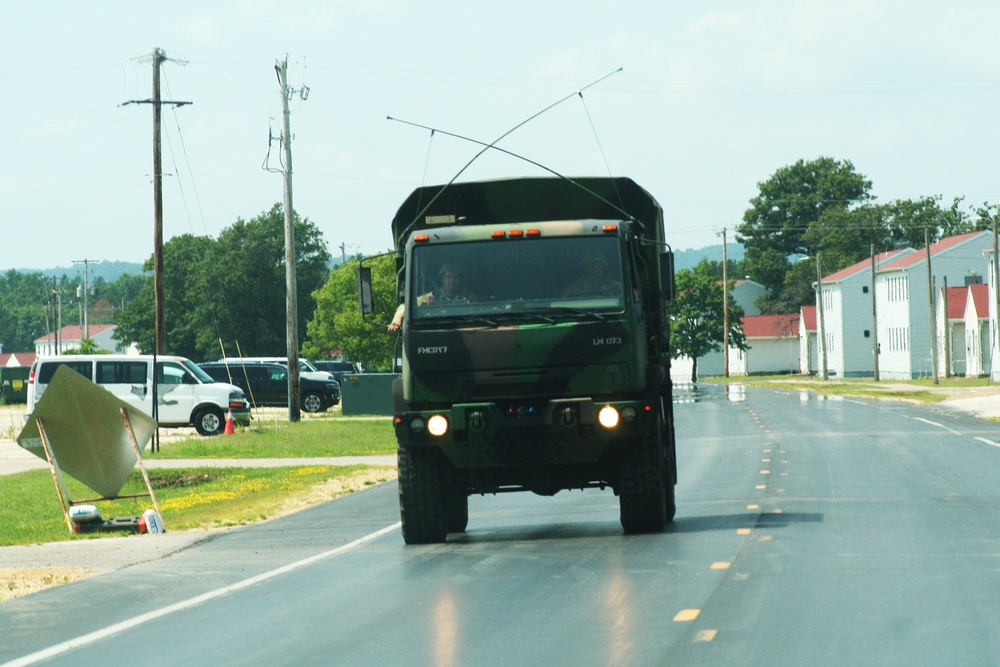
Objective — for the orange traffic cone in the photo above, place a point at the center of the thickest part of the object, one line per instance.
(229, 423)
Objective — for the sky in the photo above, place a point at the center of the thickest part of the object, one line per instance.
(698, 102)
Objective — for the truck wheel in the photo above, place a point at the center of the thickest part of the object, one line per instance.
(312, 402)
(422, 506)
(669, 480)
(209, 421)
(643, 490)
(458, 511)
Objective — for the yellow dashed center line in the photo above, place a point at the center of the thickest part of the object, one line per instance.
(685, 615)
(705, 635)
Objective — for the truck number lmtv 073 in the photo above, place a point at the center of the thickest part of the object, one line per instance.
(608, 341)
(535, 348)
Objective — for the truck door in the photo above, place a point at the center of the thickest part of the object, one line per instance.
(275, 378)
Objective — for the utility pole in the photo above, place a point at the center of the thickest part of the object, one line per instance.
(996, 295)
(86, 290)
(930, 307)
(56, 316)
(725, 307)
(160, 325)
(819, 311)
(875, 350)
(947, 330)
(291, 299)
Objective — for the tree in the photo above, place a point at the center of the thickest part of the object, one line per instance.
(825, 207)
(337, 323)
(789, 215)
(87, 346)
(24, 305)
(229, 295)
(696, 317)
(183, 260)
(246, 280)
(794, 200)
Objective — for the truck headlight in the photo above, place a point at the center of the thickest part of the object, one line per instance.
(608, 417)
(437, 425)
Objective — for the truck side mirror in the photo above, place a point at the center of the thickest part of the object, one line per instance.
(367, 302)
(667, 276)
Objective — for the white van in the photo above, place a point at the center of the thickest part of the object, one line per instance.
(186, 395)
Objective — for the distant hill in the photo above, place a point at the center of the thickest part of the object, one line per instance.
(688, 259)
(107, 270)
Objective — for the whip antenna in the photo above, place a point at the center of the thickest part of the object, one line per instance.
(492, 144)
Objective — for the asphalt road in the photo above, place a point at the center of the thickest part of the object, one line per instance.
(809, 532)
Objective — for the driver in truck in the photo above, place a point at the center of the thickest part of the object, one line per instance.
(450, 289)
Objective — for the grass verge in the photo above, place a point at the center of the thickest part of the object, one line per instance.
(202, 497)
(320, 437)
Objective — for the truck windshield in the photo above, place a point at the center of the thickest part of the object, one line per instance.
(544, 277)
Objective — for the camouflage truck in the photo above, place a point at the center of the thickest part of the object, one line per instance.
(534, 347)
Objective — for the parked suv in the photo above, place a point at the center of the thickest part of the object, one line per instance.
(267, 385)
(336, 368)
(306, 369)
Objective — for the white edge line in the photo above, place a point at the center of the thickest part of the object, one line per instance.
(928, 421)
(98, 635)
(989, 442)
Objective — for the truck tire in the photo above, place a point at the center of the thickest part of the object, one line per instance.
(423, 510)
(644, 492)
(458, 511)
(209, 421)
(670, 480)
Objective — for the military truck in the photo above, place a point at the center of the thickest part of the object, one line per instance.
(534, 346)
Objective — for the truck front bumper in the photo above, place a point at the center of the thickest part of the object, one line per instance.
(556, 432)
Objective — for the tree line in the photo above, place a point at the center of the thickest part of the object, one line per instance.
(226, 296)
(31, 304)
(819, 210)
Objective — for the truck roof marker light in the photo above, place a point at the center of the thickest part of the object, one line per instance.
(498, 234)
(437, 425)
(607, 229)
(421, 238)
(515, 234)
(533, 232)
(608, 417)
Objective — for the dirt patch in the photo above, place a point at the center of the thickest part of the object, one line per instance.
(25, 580)
(339, 486)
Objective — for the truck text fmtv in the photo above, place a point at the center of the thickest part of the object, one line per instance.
(535, 348)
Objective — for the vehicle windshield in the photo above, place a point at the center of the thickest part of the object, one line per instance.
(198, 372)
(542, 278)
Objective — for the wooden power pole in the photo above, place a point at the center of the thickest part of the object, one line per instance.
(725, 307)
(291, 298)
(156, 100)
